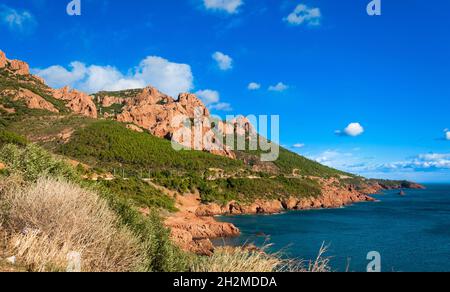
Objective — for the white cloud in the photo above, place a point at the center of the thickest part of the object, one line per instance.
(423, 162)
(303, 14)
(211, 98)
(229, 6)
(208, 96)
(16, 20)
(171, 78)
(221, 106)
(447, 134)
(58, 76)
(254, 86)
(298, 145)
(280, 87)
(224, 62)
(352, 130)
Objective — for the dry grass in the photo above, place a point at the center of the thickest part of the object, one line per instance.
(241, 259)
(52, 218)
(228, 260)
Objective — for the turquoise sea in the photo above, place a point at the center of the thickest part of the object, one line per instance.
(411, 233)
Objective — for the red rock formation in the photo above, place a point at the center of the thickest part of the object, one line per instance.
(32, 100)
(135, 128)
(20, 67)
(108, 101)
(163, 117)
(77, 101)
(3, 60)
(193, 233)
(333, 196)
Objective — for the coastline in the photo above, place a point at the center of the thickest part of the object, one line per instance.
(194, 226)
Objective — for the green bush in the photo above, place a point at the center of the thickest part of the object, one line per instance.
(33, 162)
(7, 137)
(140, 193)
(162, 255)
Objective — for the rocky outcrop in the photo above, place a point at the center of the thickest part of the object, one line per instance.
(31, 99)
(77, 101)
(167, 118)
(20, 67)
(3, 60)
(7, 110)
(16, 66)
(333, 196)
(108, 101)
(135, 128)
(193, 233)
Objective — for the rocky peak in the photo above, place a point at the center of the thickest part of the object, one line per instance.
(16, 66)
(20, 67)
(150, 96)
(192, 103)
(78, 102)
(3, 60)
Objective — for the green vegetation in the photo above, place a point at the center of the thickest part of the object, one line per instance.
(139, 193)
(8, 137)
(32, 163)
(10, 81)
(109, 144)
(289, 161)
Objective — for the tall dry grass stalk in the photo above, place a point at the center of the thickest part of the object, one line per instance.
(241, 259)
(229, 259)
(52, 218)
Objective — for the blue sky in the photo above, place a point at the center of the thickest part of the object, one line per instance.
(323, 66)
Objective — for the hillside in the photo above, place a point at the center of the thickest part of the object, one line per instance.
(121, 141)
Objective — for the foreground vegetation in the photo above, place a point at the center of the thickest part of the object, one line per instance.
(48, 211)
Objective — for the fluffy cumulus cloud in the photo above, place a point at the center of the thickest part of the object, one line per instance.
(228, 6)
(15, 19)
(352, 130)
(254, 86)
(208, 96)
(304, 14)
(280, 87)
(169, 77)
(224, 62)
(211, 99)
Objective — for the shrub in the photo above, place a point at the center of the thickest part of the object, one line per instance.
(160, 253)
(48, 220)
(33, 162)
(7, 137)
(140, 193)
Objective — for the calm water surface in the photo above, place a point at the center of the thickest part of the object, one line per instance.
(411, 233)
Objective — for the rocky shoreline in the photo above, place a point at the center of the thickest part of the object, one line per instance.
(194, 225)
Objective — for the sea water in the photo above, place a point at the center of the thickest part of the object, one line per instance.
(411, 233)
